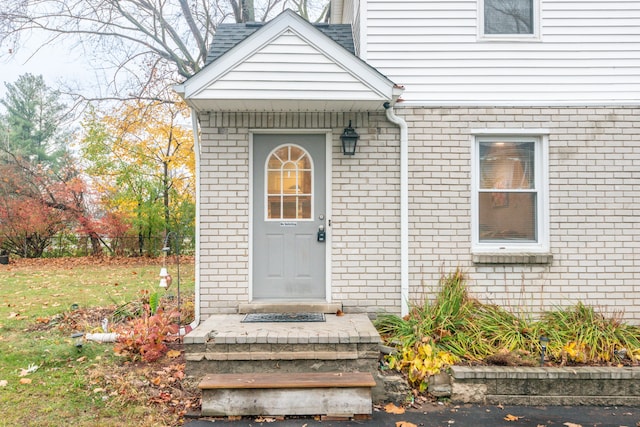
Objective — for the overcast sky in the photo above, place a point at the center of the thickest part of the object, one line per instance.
(61, 66)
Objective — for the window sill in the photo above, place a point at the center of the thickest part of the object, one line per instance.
(513, 258)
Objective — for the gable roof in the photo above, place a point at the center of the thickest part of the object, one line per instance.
(229, 35)
(286, 64)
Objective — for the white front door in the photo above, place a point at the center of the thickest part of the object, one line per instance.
(289, 210)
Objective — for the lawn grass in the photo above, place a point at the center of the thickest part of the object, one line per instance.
(34, 296)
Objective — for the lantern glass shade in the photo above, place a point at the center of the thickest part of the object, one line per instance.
(163, 277)
(349, 139)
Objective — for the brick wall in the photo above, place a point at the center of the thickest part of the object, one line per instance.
(594, 185)
(365, 218)
(594, 164)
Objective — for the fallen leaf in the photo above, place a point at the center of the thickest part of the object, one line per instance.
(12, 315)
(568, 424)
(156, 381)
(81, 359)
(3, 383)
(172, 354)
(265, 420)
(541, 425)
(339, 313)
(405, 424)
(391, 408)
(510, 417)
(25, 380)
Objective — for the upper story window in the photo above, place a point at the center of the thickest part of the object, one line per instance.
(509, 18)
(510, 193)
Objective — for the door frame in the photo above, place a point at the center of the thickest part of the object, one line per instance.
(328, 179)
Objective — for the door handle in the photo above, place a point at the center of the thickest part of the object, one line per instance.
(322, 234)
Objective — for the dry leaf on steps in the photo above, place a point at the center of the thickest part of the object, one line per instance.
(568, 424)
(391, 408)
(405, 424)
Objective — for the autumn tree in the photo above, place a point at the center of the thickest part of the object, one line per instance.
(41, 192)
(142, 163)
(32, 210)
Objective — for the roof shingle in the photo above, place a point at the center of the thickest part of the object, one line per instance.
(229, 35)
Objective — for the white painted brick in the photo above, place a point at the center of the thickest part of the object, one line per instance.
(594, 158)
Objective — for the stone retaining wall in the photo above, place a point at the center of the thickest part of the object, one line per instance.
(545, 386)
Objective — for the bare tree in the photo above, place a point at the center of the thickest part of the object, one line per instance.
(139, 40)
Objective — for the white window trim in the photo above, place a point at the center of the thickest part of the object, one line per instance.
(535, 36)
(542, 181)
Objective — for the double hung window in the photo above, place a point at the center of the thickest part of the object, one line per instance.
(509, 194)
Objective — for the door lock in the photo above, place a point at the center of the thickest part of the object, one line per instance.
(322, 234)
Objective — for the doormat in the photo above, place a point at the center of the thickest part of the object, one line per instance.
(283, 317)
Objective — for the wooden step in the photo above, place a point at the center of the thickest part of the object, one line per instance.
(342, 394)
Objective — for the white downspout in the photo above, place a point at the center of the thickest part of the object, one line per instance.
(404, 206)
(196, 151)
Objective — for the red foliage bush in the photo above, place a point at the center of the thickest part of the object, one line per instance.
(146, 337)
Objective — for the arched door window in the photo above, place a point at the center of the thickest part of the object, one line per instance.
(289, 181)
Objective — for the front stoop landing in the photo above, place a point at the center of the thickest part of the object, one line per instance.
(329, 394)
(346, 346)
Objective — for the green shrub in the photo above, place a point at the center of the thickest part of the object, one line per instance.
(454, 327)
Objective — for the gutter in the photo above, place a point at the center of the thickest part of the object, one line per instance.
(196, 151)
(404, 206)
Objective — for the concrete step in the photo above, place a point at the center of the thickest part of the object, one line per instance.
(224, 344)
(337, 394)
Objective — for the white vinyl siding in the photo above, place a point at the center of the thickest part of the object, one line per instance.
(289, 68)
(587, 52)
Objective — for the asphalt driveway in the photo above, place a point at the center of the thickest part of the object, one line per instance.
(440, 415)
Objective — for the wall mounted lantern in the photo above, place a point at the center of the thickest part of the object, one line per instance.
(349, 139)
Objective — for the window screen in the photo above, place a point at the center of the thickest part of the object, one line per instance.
(508, 16)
